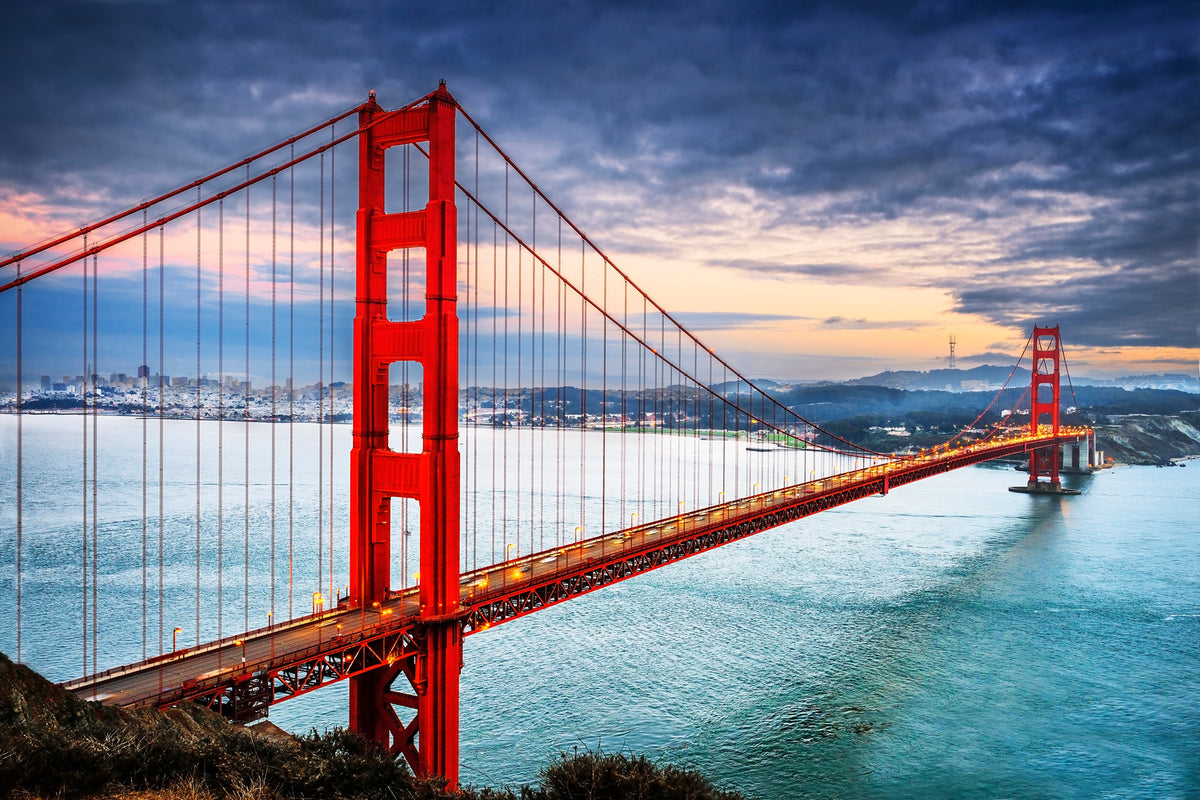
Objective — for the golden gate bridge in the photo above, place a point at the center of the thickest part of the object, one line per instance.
(543, 426)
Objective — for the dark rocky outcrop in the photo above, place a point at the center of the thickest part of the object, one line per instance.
(55, 745)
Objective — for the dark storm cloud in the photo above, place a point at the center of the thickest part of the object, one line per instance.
(1130, 307)
(1079, 114)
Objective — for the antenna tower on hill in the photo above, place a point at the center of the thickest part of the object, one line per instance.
(952, 343)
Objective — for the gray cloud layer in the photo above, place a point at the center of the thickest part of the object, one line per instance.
(1080, 114)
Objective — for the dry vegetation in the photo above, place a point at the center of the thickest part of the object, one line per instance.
(55, 746)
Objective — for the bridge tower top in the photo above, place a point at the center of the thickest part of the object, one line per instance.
(1044, 389)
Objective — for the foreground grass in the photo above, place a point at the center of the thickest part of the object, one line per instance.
(55, 746)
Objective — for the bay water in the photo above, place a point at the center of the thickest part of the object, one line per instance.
(951, 639)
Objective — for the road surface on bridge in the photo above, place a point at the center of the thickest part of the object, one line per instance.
(492, 594)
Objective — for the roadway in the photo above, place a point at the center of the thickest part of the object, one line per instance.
(311, 651)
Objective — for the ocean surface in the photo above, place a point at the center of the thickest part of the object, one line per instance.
(951, 639)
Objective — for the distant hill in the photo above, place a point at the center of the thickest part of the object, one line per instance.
(1182, 383)
(729, 387)
(946, 380)
(989, 377)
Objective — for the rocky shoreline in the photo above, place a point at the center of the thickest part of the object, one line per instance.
(1150, 440)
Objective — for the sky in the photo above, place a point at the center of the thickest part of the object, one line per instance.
(820, 191)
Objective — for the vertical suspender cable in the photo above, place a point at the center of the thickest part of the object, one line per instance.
(246, 431)
(83, 391)
(695, 415)
(220, 415)
(144, 382)
(475, 367)
(495, 421)
(583, 386)
(542, 412)
(504, 406)
(662, 439)
(520, 396)
(518, 498)
(291, 381)
(624, 404)
(603, 400)
(642, 419)
(561, 380)
(162, 368)
(95, 452)
(320, 386)
(274, 379)
(475, 361)
(332, 328)
(532, 378)
(20, 455)
(198, 231)
(541, 405)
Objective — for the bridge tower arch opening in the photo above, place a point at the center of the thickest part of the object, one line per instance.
(429, 739)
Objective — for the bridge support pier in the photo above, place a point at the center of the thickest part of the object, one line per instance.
(429, 739)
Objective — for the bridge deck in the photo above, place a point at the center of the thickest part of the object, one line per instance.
(241, 676)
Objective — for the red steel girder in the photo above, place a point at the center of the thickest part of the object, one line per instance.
(243, 694)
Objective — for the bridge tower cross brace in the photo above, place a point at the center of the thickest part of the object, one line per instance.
(377, 474)
(1044, 404)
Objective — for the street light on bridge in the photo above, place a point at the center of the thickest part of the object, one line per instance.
(174, 634)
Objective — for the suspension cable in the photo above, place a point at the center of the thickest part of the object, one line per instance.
(143, 206)
(584, 237)
(946, 445)
(660, 352)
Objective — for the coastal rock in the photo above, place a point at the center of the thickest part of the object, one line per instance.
(1149, 440)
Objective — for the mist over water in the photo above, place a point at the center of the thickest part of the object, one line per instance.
(950, 639)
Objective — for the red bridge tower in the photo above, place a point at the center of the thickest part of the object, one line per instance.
(377, 473)
(1043, 407)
